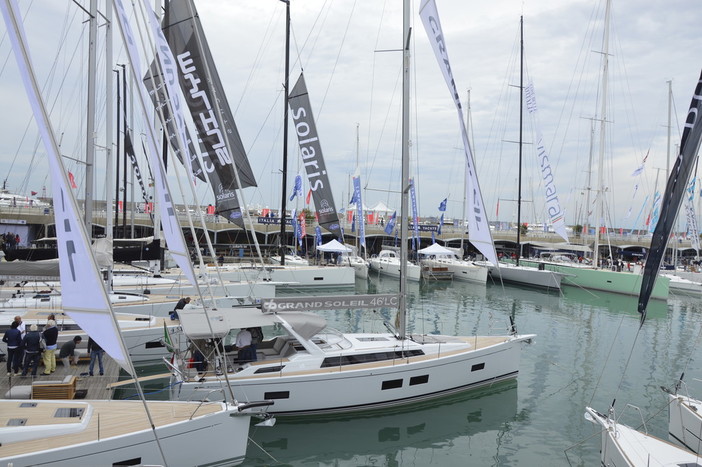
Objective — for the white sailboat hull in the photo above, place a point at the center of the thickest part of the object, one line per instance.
(304, 386)
(526, 276)
(685, 421)
(624, 446)
(462, 270)
(289, 276)
(683, 286)
(95, 438)
(390, 266)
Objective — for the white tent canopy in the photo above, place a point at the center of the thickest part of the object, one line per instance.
(435, 249)
(381, 207)
(352, 207)
(334, 246)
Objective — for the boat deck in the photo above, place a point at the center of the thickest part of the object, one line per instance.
(109, 419)
(91, 387)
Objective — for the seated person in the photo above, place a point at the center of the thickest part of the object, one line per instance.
(199, 361)
(68, 354)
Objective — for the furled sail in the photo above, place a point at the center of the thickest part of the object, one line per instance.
(222, 149)
(311, 152)
(478, 227)
(83, 292)
(672, 198)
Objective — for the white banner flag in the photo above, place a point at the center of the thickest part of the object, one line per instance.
(478, 227)
(171, 227)
(553, 206)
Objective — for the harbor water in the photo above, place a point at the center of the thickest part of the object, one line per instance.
(589, 351)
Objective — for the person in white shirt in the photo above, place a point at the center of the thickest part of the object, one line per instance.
(243, 343)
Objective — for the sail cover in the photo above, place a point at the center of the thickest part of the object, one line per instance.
(83, 292)
(311, 152)
(222, 149)
(672, 198)
(478, 228)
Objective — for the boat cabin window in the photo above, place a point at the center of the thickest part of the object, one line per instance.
(369, 358)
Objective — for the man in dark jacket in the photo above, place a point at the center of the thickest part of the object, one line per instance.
(179, 306)
(32, 350)
(13, 339)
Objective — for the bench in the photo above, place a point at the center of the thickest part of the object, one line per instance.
(65, 389)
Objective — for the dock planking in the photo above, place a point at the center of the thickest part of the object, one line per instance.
(94, 386)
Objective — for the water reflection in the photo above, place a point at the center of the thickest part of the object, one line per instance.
(412, 435)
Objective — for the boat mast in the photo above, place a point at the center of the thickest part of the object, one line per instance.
(603, 127)
(109, 137)
(282, 242)
(406, 33)
(465, 172)
(353, 189)
(521, 121)
(90, 122)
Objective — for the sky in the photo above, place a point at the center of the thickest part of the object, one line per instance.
(349, 53)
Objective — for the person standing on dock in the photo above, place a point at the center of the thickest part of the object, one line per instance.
(50, 336)
(13, 339)
(32, 350)
(20, 325)
(95, 354)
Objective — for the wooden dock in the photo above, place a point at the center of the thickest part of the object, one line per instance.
(87, 387)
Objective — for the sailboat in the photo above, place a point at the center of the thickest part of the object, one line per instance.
(308, 368)
(437, 256)
(622, 445)
(103, 432)
(522, 273)
(593, 277)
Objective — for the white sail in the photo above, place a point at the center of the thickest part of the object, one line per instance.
(478, 227)
(171, 227)
(553, 206)
(82, 289)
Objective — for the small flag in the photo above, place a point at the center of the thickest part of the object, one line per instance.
(391, 224)
(297, 189)
(309, 195)
(641, 167)
(354, 199)
(72, 180)
(34, 193)
(442, 206)
(318, 235)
